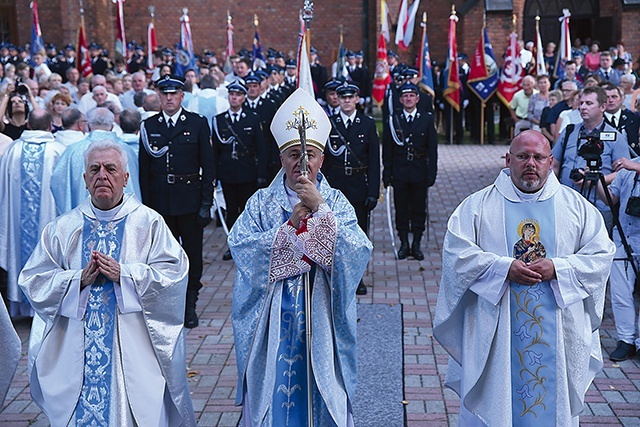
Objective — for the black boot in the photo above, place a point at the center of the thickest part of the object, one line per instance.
(362, 289)
(190, 315)
(403, 252)
(227, 255)
(415, 248)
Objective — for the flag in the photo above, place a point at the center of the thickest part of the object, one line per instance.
(483, 75)
(341, 72)
(37, 45)
(564, 53)
(382, 77)
(541, 68)
(229, 51)
(384, 20)
(84, 60)
(152, 46)
(257, 58)
(402, 18)
(121, 45)
(407, 24)
(304, 80)
(426, 77)
(512, 72)
(185, 57)
(451, 89)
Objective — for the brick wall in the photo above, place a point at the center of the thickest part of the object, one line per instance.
(279, 24)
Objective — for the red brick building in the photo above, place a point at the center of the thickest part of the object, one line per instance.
(608, 21)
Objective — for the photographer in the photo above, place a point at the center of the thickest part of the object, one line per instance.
(626, 190)
(595, 137)
(14, 109)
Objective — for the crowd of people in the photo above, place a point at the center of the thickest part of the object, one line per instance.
(88, 166)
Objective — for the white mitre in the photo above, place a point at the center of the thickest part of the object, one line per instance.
(287, 119)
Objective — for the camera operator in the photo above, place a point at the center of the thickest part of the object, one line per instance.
(596, 134)
(14, 109)
(625, 189)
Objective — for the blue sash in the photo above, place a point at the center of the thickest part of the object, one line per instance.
(530, 230)
(31, 168)
(99, 326)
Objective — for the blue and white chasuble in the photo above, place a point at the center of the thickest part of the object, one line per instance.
(530, 230)
(99, 325)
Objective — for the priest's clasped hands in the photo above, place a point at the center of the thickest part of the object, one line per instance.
(540, 270)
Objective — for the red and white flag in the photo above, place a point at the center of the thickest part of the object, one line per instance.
(152, 46)
(304, 66)
(121, 42)
(384, 20)
(382, 77)
(84, 60)
(406, 24)
(452, 86)
(512, 72)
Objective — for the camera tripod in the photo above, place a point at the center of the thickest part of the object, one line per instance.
(589, 190)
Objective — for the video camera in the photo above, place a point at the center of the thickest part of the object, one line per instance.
(21, 88)
(591, 151)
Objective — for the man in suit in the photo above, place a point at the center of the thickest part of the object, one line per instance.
(606, 72)
(410, 160)
(623, 119)
(240, 154)
(176, 177)
(352, 158)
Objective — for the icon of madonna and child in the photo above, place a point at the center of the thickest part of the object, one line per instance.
(529, 248)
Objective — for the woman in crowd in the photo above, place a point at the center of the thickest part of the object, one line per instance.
(57, 105)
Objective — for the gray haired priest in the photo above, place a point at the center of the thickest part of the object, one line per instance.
(107, 281)
(298, 225)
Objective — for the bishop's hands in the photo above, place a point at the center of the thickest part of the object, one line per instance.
(100, 264)
(310, 200)
(540, 270)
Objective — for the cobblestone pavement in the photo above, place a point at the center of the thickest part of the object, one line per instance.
(613, 399)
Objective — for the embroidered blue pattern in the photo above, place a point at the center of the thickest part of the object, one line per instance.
(289, 398)
(99, 326)
(531, 234)
(31, 169)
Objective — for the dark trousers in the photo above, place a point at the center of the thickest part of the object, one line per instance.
(411, 206)
(363, 216)
(236, 196)
(186, 230)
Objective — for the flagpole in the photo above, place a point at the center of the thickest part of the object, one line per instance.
(453, 12)
(482, 101)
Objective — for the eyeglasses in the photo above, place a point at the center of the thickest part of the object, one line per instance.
(524, 157)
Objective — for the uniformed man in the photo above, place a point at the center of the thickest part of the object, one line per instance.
(332, 105)
(265, 109)
(352, 158)
(176, 177)
(240, 153)
(410, 159)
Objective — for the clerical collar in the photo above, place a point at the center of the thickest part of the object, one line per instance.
(173, 118)
(109, 214)
(528, 197)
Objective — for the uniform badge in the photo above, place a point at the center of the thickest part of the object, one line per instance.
(160, 119)
(154, 148)
(186, 133)
(183, 117)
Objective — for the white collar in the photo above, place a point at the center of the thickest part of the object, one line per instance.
(352, 117)
(617, 115)
(410, 114)
(174, 118)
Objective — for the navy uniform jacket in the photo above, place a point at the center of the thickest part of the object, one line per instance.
(354, 170)
(241, 158)
(411, 155)
(265, 109)
(177, 177)
(630, 125)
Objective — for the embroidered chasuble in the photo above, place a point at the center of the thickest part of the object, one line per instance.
(99, 326)
(530, 230)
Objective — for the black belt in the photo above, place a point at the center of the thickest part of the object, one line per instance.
(172, 178)
(413, 156)
(348, 170)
